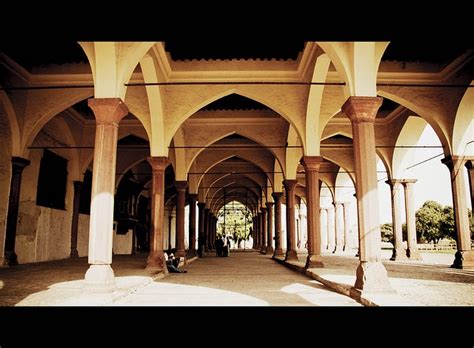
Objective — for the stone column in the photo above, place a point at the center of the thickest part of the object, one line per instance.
(347, 225)
(339, 226)
(75, 218)
(212, 238)
(156, 261)
(464, 257)
(278, 249)
(470, 171)
(331, 232)
(108, 113)
(371, 275)
(399, 252)
(412, 248)
(258, 228)
(18, 164)
(270, 220)
(192, 225)
(206, 229)
(290, 220)
(311, 166)
(202, 233)
(263, 247)
(180, 201)
(323, 228)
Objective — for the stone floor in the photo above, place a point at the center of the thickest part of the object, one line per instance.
(245, 278)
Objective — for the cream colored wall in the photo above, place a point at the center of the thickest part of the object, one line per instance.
(122, 244)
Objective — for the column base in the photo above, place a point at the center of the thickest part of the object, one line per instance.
(100, 278)
(206, 249)
(399, 254)
(10, 258)
(156, 263)
(371, 276)
(414, 255)
(278, 252)
(463, 259)
(263, 249)
(269, 250)
(314, 261)
(291, 255)
(191, 252)
(74, 254)
(338, 248)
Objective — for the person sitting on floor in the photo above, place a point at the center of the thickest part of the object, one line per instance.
(172, 263)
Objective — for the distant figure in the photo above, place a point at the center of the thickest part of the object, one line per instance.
(219, 246)
(226, 250)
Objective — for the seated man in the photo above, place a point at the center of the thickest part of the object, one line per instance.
(172, 263)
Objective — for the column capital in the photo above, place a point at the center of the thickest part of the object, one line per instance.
(270, 205)
(158, 163)
(362, 109)
(470, 164)
(78, 185)
(18, 164)
(289, 184)
(454, 162)
(312, 163)
(108, 110)
(193, 197)
(277, 196)
(337, 203)
(201, 205)
(409, 181)
(394, 182)
(181, 185)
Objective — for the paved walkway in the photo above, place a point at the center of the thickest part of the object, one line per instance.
(243, 279)
(430, 282)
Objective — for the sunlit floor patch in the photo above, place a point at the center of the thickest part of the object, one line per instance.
(319, 295)
(165, 294)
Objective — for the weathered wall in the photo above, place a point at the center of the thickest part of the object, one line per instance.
(123, 243)
(41, 233)
(83, 235)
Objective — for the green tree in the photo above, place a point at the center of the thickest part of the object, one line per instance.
(448, 229)
(387, 233)
(428, 221)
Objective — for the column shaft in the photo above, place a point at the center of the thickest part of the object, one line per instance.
(339, 226)
(464, 257)
(278, 246)
(18, 164)
(180, 201)
(412, 248)
(371, 275)
(290, 220)
(108, 113)
(75, 218)
(270, 220)
(399, 252)
(202, 233)
(311, 165)
(192, 225)
(263, 248)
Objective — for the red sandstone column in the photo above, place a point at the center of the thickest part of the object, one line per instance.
(311, 166)
(278, 249)
(202, 231)
(290, 220)
(399, 252)
(75, 218)
(108, 113)
(206, 229)
(258, 228)
(18, 164)
(371, 274)
(156, 260)
(192, 225)
(263, 248)
(180, 201)
(464, 257)
(339, 226)
(412, 248)
(470, 170)
(346, 207)
(270, 228)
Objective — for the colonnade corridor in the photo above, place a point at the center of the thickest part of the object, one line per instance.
(245, 278)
